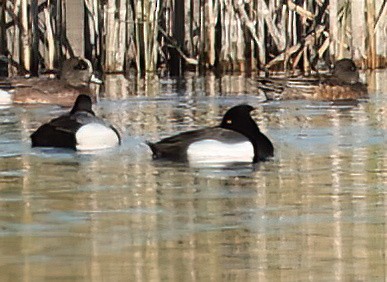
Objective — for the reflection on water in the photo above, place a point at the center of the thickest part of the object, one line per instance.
(315, 212)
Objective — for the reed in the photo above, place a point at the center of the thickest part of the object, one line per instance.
(224, 35)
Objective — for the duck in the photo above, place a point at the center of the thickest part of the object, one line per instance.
(342, 84)
(236, 139)
(75, 78)
(80, 129)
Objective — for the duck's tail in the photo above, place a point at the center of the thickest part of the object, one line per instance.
(153, 148)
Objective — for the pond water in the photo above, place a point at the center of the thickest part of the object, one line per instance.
(317, 211)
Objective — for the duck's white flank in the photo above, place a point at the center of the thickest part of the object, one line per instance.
(5, 97)
(213, 151)
(96, 136)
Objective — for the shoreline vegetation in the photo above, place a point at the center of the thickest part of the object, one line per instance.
(148, 36)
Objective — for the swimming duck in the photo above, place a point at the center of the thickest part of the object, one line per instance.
(75, 78)
(236, 139)
(342, 85)
(79, 129)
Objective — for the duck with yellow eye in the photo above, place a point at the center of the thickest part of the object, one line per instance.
(236, 139)
(342, 84)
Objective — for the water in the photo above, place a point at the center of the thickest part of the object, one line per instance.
(317, 211)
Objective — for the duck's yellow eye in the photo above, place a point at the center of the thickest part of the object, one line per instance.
(229, 121)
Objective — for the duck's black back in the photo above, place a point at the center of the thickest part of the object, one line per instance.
(60, 132)
(49, 135)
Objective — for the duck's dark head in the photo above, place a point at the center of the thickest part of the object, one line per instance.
(345, 71)
(238, 119)
(82, 104)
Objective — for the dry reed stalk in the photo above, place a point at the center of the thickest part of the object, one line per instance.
(251, 47)
(50, 41)
(253, 33)
(192, 19)
(283, 56)
(226, 53)
(154, 9)
(3, 36)
(382, 15)
(25, 36)
(92, 29)
(138, 33)
(300, 10)
(188, 23)
(288, 30)
(121, 37)
(239, 44)
(111, 31)
(291, 32)
(35, 38)
(12, 34)
(343, 27)
(380, 32)
(333, 27)
(56, 17)
(325, 46)
(130, 53)
(298, 49)
(371, 34)
(358, 27)
(261, 33)
(64, 50)
(202, 33)
(274, 31)
(229, 57)
(211, 7)
(146, 33)
(246, 21)
(173, 44)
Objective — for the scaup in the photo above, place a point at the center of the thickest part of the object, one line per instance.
(79, 129)
(236, 139)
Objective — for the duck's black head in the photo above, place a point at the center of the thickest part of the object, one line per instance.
(345, 71)
(82, 104)
(239, 119)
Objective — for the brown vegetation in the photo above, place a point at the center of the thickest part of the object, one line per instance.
(223, 35)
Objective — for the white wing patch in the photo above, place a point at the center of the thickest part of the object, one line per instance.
(5, 97)
(96, 136)
(213, 151)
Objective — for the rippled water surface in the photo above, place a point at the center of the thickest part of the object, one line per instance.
(317, 211)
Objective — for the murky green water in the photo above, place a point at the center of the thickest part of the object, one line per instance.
(316, 212)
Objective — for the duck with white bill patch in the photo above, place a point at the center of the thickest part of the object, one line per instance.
(79, 129)
(76, 77)
(236, 139)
